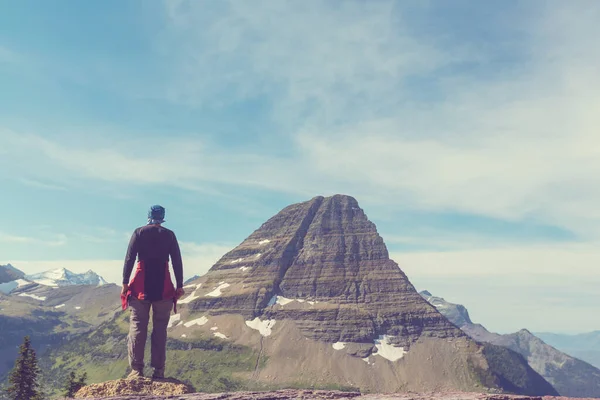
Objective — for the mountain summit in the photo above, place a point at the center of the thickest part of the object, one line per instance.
(63, 277)
(315, 284)
(8, 273)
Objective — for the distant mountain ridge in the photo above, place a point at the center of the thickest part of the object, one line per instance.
(569, 376)
(63, 277)
(585, 346)
(8, 273)
(12, 279)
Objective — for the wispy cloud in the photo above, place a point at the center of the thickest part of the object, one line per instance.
(7, 55)
(54, 241)
(40, 185)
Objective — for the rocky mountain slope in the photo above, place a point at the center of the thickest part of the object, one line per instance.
(569, 376)
(585, 346)
(9, 273)
(293, 394)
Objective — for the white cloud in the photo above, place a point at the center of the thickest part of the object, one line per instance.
(318, 60)
(520, 144)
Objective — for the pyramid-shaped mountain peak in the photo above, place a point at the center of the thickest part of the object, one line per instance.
(326, 261)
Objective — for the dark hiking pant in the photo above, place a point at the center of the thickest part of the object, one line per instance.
(138, 332)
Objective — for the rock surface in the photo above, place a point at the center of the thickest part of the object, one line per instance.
(332, 395)
(137, 387)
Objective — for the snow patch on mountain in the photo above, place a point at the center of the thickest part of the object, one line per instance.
(264, 327)
(199, 321)
(217, 291)
(33, 296)
(388, 351)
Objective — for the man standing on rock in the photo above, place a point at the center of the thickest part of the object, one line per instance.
(151, 287)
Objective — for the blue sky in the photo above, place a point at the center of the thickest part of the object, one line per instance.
(468, 131)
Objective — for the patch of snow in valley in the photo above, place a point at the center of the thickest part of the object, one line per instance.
(264, 241)
(173, 319)
(59, 306)
(217, 291)
(387, 350)
(244, 268)
(199, 321)
(264, 327)
(33, 296)
(338, 345)
(219, 335)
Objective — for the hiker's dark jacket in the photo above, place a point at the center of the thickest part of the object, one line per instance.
(152, 245)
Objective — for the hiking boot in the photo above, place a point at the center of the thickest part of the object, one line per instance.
(134, 374)
(159, 373)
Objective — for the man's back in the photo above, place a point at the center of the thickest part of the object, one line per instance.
(153, 245)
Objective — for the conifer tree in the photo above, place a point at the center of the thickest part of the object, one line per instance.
(23, 384)
(74, 383)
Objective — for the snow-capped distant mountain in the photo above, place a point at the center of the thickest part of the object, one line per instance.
(64, 277)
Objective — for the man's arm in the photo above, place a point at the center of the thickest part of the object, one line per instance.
(175, 254)
(130, 258)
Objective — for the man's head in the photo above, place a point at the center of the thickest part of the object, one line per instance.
(156, 215)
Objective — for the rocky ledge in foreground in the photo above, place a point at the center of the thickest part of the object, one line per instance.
(146, 389)
(134, 388)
